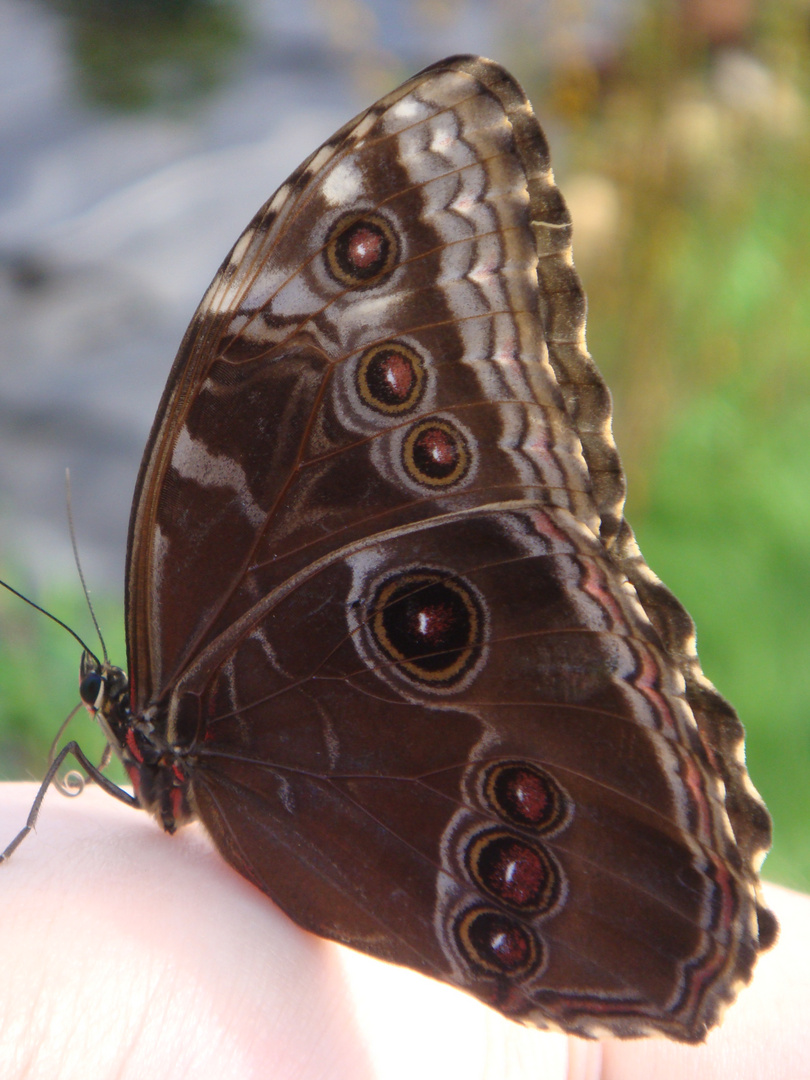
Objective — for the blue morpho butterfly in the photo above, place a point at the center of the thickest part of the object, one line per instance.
(390, 637)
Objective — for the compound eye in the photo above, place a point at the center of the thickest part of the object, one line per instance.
(90, 687)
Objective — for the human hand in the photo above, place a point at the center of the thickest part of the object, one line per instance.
(129, 953)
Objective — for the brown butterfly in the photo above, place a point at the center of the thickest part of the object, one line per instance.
(390, 637)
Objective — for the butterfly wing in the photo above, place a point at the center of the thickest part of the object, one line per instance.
(381, 590)
(263, 395)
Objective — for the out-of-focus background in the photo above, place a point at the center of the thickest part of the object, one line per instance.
(137, 138)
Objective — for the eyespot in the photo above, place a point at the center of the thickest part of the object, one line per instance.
(391, 378)
(430, 624)
(361, 249)
(435, 453)
(526, 796)
(513, 871)
(497, 943)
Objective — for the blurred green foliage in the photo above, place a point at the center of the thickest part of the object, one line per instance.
(130, 55)
(39, 674)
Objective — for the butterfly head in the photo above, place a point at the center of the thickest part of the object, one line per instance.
(156, 770)
(103, 689)
(101, 685)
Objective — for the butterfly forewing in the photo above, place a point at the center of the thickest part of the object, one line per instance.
(278, 426)
(381, 596)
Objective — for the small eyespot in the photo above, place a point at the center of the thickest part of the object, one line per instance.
(526, 796)
(498, 944)
(391, 378)
(435, 453)
(513, 871)
(361, 249)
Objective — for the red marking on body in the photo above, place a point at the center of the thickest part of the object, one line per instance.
(131, 745)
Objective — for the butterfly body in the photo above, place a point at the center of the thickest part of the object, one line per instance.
(390, 638)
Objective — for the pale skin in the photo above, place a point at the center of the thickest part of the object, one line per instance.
(127, 953)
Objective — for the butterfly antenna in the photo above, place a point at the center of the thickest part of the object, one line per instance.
(53, 618)
(79, 567)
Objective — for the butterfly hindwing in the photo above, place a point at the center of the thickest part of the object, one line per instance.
(392, 760)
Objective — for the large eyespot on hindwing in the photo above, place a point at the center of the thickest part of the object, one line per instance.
(495, 943)
(519, 874)
(391, 378)
(361, 249)
(523, 795)
(436, 453)
(430, 624)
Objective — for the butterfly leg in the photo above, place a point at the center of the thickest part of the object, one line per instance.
(93, 771)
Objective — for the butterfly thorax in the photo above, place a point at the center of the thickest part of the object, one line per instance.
(156, 769)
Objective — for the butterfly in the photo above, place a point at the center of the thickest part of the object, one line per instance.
(389, 636)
